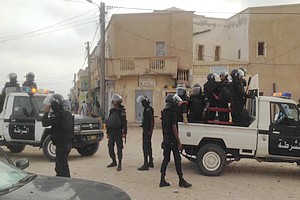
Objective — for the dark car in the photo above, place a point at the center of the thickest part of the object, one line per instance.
(18, 184)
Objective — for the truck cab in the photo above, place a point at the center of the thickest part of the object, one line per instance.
(272, 135)
(20, 125)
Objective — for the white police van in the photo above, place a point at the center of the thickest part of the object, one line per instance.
(273, 135)
(20, 125)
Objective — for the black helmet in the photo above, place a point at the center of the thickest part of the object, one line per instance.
(30, 76)
(197, 89)
(55, 101)
(143, 99)
(181, 89)
(172, 100)
(116, 98)
(210, 77)
(12, 77)
(234, 74)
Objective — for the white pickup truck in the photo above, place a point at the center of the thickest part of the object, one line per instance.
(20, 125)
(273, 135)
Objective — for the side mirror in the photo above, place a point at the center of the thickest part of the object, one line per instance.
(22, 163)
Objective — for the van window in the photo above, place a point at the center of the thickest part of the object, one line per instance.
(22, 106)
(283, 113)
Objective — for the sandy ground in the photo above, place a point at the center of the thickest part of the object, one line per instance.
(246, 179)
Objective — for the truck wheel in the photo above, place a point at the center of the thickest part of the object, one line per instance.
(16, 148)
(211, 160)
(49, 148)
(89, 149)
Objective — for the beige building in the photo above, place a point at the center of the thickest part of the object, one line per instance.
(264, 40)
(147, 54)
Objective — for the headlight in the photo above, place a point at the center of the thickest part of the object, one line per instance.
(77, 127)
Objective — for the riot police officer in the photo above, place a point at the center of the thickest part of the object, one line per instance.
(211, 92)
(116, 130)
(224, 96)
(183, 108)
(171, 141)
(238, 96)
(148, 125)
(11, 86)
(243, 80)
(62, 130)
(198, 105)
(30, 80)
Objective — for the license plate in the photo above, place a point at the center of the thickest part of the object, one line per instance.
(92, 137)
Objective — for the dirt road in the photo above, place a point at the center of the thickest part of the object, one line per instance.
(246, 179)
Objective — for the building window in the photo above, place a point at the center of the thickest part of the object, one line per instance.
(261, 47)
(217, 53)
(160, 49)
(200, 52)
(239, 54)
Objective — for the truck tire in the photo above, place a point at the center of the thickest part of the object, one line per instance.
(211, 160)
(49, 149)
(89, 149)
(16, 148)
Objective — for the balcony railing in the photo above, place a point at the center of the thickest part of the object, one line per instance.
(117, 67)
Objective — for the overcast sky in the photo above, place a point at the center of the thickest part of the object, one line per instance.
(48, 37)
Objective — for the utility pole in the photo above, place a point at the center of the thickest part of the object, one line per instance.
(102, 56)
(89, 72)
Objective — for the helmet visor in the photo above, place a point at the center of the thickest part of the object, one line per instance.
(140, 98)
(116, 97)
(48, 100)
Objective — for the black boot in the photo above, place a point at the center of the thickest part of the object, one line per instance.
(163, 182)
(183, 183)
(150, 164)
(145, 166)
(113, 164)
(119, 168)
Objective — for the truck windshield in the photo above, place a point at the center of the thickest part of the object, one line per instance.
(38, 104)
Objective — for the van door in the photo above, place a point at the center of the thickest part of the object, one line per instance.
(22, 121)
(284, 132)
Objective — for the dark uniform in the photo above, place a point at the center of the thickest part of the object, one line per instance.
(171, 143)
(116, 127)
(62, 130)
(11, 86)
(197, 104)
(30, 81)
(210, 90)
(224, 99)
(148, 125)
(182, 110)
(238, 96)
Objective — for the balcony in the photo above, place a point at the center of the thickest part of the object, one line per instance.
(118, 67)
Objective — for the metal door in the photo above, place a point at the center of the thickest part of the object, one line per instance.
(138, 106)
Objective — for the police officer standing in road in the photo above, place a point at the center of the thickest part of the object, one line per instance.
(62, 130)
(198, 105)
(171, 141)
(116, 130)
(30, 80)
(148, 125)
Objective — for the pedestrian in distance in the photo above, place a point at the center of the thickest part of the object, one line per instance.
(116, 130)
(148, 125)
(62, 131)
(171, 141)
(84, 109)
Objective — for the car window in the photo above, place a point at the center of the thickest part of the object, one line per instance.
(283, 113)
(9, 175)
(38, 103)
(22, 106)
